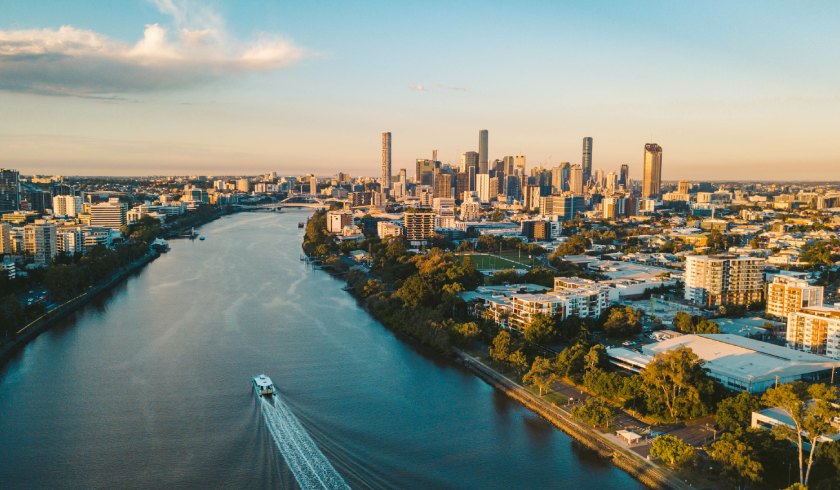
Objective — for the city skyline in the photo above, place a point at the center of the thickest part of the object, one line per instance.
(94, 91)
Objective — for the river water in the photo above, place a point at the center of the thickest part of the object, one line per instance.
(149, 387)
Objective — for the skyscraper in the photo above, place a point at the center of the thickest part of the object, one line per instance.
(9, 190)
(624, 177)
(520, 163)
(586, 160)
(483, 137)
(576, 179)
(386, 160)
(509, 165)
(652, 179)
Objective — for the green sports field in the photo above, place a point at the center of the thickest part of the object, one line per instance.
(500, 261)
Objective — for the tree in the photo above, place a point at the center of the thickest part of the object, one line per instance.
(541, 375)
(737, 457)
(541, 329)
(518, 361)
(734, 414)
(621, 321)
(500, 350)
(570, 362)
(596, 358)
(466, 331)
(675, 379)
(811, 409)
(682, 321)
(595, 412)
(672, 450)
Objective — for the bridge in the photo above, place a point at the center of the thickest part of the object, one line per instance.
(294, 201)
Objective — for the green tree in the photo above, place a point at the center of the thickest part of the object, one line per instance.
(672, 450)
(466, 331)
(518, 361)
(738, 459)
(596, 358)
(734, 414)
(541, 329)
(594, 412)
(811, 409)
(622, 321)
(570, 362)
(676, 381)
(541, 375)
(500, 350)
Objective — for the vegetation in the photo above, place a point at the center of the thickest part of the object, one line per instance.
(694, 324)
(676, 385)
(811, 408)
(737, 458)
(594, 412)
(672, 450)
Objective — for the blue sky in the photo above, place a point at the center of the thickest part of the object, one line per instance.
(729, 89)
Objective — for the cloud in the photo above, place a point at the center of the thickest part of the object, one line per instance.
(419, 87)
(83, 63)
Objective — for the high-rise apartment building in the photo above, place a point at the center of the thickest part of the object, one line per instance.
(337, 220)
(5, 238)
(519, 163)
(386, 160)
(787, 294)
(683, 187)
(652, 177)
(815, 329)
(419, 227)
(482, 187)
(723, 280)
(313, 186)
(69, 206)
(469, 159)
(425, 171)
(443, 185)
(9, 190)
(613, 207)
(586, 159)
(509, 164)
(483, 137)
(39, 241)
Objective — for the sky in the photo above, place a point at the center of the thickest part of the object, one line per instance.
(730, 89)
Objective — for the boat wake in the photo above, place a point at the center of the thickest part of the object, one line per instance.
(310, 467)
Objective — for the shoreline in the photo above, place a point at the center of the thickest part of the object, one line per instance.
(46, 321)
(643, 471)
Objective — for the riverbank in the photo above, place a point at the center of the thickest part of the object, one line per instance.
(44, 322)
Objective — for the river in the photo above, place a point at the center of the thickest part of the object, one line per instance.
(149, 386)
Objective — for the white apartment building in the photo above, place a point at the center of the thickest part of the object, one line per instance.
(387, 229)
(70, 241)
(111, 214)
(419, 227)
(582, 302)
(67, 205)
(719, 280)
(788, 294)
(39, 241)
(337, 220)
(815, 329)
(470, 208)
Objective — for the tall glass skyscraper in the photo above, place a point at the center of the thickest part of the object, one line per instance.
(9, 190)
(586, 160)
(386, 160)
(652, 178)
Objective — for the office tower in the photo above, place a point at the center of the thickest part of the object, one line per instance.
(425, 173)
(720, 280)
(520, 164)
(469, 159)
(419, 227)
(443, 185)
(557, 179)
(403, 178)
(532, 196)
(513, 187)
(815, 329)
(483, 137)
(39, 241)
(586, 160)
(613, 207)
(599, 178)
(652, 178)
(111, 214)
(434, 156)
(313, 185)
(787, 294)
(611, 183)
(576, 179)
(509, 164)
(482, 187)
(683, 187)
(462, 184)
(9, 190)
(386, 160)
(5, 238)
(624, 176)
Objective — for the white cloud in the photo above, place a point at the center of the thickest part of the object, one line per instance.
(71, 61)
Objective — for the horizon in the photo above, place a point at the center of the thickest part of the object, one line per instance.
(169, 87)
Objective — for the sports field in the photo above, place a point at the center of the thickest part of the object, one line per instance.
(508, 259)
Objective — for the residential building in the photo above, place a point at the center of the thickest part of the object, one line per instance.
(5, 238)
(388, 229)
(564, 303)
(815, 329)
(337, 220)
(721, 280)
(586, 160)
(652, 177)
(576, 180)
(419, 227)
(443, 185)
(69, 206)
(787, 294)
(470, 208)
(39, 241)
(483, 137)
(482, 187)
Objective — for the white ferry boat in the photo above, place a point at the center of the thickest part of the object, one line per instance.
(263, 385)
